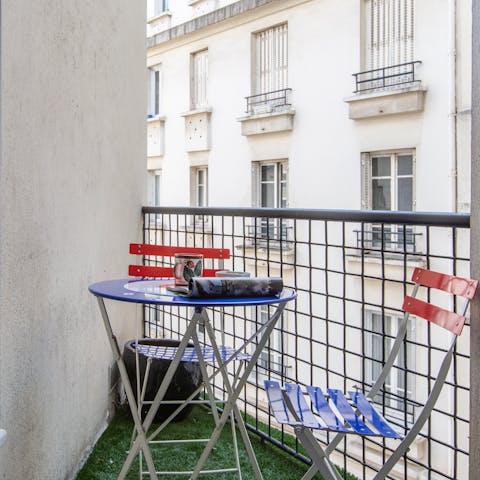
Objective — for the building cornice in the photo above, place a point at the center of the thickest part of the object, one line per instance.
(212, 18)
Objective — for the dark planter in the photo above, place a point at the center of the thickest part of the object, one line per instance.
(185, 381)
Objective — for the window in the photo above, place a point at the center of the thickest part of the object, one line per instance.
(156, 7)
(270, 70)
(388, 184)
(199, 67)
(271, 360)
(155, 187)
(270, 190)
(379, 336)
(154, 91)
(389, 32)
(271, 60)
(199, 187)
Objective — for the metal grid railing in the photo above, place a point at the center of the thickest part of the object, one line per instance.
(337, 331)
(392, 76)
(268, 102)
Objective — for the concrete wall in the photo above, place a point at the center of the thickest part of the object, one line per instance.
(71, 187)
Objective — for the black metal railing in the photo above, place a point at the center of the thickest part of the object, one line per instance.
(337, 331)
(388, 238)
(384, 77)
(268, 102)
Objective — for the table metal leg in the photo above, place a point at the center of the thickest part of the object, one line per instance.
(141, 438)
(137, 444)
(234, 393)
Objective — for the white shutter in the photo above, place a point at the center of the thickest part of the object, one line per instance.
(271, 60)
(389, 32)
(366, 182)
(199, 79)
(255, 184)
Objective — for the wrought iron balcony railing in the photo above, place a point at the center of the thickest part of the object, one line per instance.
(337, 331)
(386, 77)
(268, 102)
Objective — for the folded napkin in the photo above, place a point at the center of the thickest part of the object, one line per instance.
(218, 287)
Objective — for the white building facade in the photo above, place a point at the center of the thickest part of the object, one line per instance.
(352, 104)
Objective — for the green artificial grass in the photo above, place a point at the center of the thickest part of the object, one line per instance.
(110, 452)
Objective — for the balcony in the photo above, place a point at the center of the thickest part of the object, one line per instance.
(268, 113)
(326, 336)
(386, 91)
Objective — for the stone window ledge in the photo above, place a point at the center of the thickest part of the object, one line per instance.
(269, 122)
(386, 102)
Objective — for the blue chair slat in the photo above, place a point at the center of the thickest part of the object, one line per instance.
(348, 413)
(369, 412)
(302, 410)
(277, 403)
(322, 408)
(190, 355)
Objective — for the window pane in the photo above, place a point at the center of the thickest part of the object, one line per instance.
(268, 173)
(381, 195)
(201, 177)
(268, 192)
(381, 167)
(157, 93)
(405, 202)
(405, 164)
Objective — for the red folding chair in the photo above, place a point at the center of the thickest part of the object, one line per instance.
(312, 409)
(155, 271)
(152, 270)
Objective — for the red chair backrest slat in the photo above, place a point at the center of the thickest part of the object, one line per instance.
(167, 251)
(441, 317)
(464, 287)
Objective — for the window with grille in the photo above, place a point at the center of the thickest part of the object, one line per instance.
(388, 184)
(199, 66)
(389, 32)
(270, 70)
(380, 332)
(270, 190)
(154, 90)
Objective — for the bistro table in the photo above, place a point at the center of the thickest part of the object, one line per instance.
(155, 292)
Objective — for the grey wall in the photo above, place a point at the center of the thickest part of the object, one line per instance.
(71, 188)
(474, 457)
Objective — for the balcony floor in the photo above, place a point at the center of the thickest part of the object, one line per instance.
(109, 454)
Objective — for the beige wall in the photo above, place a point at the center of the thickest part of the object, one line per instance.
(71, 187)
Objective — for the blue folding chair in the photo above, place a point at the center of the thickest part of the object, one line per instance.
(357, 414)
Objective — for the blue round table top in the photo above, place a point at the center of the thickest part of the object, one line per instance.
(155, 292)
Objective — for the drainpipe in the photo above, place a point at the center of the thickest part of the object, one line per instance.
(452, 54)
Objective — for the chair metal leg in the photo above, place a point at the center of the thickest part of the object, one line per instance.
(320, 460)
(157, 400)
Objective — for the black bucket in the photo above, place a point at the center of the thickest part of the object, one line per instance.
(185, 381)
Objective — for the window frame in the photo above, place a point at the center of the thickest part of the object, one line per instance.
(155, 90)
(273, 76)
(389, 33)
(274, 229)
(155, 8)
(394, 407)
(394, 238)
(199, 79)
(272, 361)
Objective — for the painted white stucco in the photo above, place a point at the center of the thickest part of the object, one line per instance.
(71, 189)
